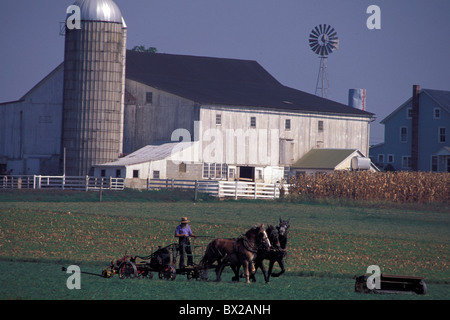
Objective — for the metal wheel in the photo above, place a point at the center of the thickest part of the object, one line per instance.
(168, 273)
(127, 270)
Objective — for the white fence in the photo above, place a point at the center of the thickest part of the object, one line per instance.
(221, 189)
(84, 183)
(251, 190)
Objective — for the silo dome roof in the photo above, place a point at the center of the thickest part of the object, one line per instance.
(99, 10)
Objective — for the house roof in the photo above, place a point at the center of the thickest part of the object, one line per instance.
(222, 81)
(148, 153)
(441, 97)
(323, 158)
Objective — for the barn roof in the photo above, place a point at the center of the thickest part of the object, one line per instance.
(148, 153)
(222, 81)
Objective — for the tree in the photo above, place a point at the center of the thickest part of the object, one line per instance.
(143, 49)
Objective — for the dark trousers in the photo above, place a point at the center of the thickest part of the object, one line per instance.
(185, 248)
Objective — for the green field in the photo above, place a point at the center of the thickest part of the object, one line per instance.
(329, 244)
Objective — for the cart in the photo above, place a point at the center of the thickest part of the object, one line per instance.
(162, 261)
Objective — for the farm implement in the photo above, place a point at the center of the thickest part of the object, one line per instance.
(162, 261)
(392, 284)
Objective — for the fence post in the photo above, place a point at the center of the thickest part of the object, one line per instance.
(87, 183)
(148, 182)
(110, 182)
(63, 181)
(236, 190)
(274, 190)
(254, 191)
(171, 187)
(101, 189)
(195, 190)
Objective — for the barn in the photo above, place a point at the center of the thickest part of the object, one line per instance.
(92, 117)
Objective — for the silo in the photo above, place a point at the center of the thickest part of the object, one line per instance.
(94, 84)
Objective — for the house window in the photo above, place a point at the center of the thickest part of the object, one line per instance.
(442, 135)
(436, 113)
(148, 97)
(156, 174)
(118, 173)
(390, 158)
(434, 163)
(409, 113)
(103, 173)
(406, 162)
(231, 173)
(381, 158)
(182, 167)
(135, 173)
(224, 170)
(218, 119)
(320, 126)
(287, 124)
(215, 170)
(403, 134)
(252, 122)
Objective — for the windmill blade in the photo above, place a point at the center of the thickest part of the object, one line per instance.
(315, 48)
(311, 42)
(313, 37)
(322, 50)
(327, 29)
(330, 48)
(320, 28)
(313, 32)
(317, 30)
(333, 35)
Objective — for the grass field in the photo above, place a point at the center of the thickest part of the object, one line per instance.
(329, 243)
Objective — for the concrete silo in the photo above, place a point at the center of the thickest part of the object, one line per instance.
(94, 84)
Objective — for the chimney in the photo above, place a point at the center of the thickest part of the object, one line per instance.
(415, 129)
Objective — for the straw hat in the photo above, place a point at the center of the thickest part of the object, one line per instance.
(184, 220)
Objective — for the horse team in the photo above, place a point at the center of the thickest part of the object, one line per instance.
(249, 251)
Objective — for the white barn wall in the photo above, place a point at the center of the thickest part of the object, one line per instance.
(339, 132)
(149, 123)
(30, 129)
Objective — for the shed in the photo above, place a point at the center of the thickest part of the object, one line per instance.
(163, 160)
(328, 160)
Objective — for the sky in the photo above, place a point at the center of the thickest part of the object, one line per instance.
(411, 47)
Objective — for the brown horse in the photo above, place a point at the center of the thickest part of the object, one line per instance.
(240, 251)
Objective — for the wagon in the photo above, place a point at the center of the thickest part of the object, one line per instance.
(163, 261)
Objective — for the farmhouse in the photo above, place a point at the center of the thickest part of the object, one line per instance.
(114, 112)
(417, 134)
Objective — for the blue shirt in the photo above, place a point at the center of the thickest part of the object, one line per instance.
(183, 230)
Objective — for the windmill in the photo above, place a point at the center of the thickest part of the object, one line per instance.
(323, 40)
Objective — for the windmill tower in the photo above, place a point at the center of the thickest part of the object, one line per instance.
(94, 84)
(323, 40)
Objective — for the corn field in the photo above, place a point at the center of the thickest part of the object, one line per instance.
(386, 186)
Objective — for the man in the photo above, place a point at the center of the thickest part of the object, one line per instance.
(183, 232)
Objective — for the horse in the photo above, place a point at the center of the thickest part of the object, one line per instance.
(279, 255)
(277, 252)
(240, 251)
